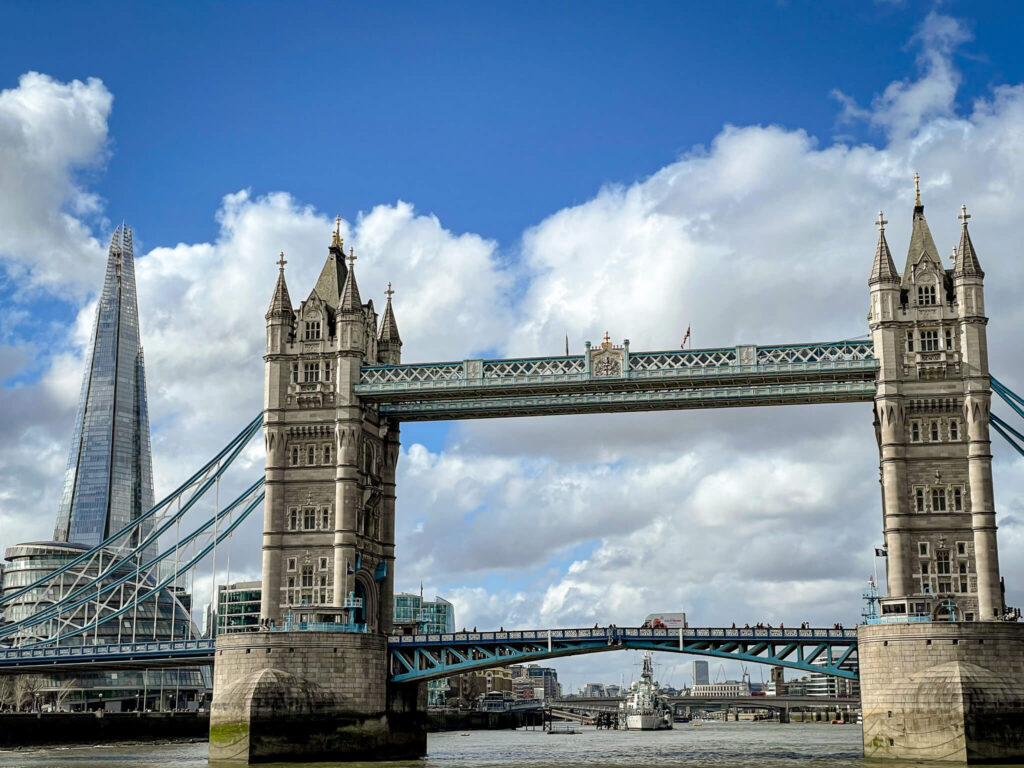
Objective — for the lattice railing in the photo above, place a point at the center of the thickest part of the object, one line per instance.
(539, 366)
(844, 351)
(698, 358)
(411, 373)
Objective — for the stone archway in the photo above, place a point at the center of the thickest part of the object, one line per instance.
(366, 588)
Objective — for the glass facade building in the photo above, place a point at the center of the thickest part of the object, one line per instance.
(238, 607)
(415, 615)
(109, 478)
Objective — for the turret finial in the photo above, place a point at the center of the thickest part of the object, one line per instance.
(281, 262)
(917, 188)
(351, 257)
(389, 292)
(964, 215)
(881, 222)
(336, 241)
(952, 256)
(607, 343)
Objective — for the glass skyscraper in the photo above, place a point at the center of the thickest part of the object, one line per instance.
(109, 477)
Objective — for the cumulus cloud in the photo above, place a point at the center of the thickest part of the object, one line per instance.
(49, 133)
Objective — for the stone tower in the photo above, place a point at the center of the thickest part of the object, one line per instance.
(931, 422)
(329, 518)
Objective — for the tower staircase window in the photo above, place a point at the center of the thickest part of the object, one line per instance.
(949, 338)
(293, 524)
(327, 454)
(926, 295)
(915, 432)
(295, 373)
(327, 370)
(935, 431)
(958, 505)
(910, 341)
(919, 499)
(325, 520)
(295, 456)
(310, 455)
(954, 430)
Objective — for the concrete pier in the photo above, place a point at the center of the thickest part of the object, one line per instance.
(951, 691)
(310, 696)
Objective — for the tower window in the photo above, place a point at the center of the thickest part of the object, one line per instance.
(924, 568)
(961, 549)
(942, 562)
(935, 431)
(327, 370)
(926, 295)
(949, 338)
(291, 563)
(327, 454)
(954, 430)
(307, 575)
(910, 341)
(295, 373)
(929, 341)
(312, 330)
(915, 432)
(325, 522)
(323, 563)
(922, 548)
(958, 505)
(938, 499)
(293, 524)
(310, 372)
(295, 456)
(310, 455)
(919, 499)
(309, 518)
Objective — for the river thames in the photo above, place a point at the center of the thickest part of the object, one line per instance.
(714, 744)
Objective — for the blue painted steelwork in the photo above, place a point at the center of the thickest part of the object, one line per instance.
(116, 655)
(429, 657)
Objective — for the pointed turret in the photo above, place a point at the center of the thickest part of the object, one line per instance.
(350, 301)
(966, 263)
(388, 340)
(280, 302)
(883, 270)
(922, 244)
(332, 276)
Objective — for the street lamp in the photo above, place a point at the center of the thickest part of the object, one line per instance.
(101, 701)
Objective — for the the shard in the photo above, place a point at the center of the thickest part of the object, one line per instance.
(109, 477)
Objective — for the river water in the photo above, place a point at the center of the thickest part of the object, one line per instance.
(715, 744)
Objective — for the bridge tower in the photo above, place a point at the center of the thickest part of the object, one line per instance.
(329, 522)
(931, 421)
(941, 676)
(312, 683)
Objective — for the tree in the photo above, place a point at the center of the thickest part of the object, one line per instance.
(64, 691)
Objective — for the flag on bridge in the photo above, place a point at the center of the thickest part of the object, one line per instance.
(881, 552)
(566, 343)
(687, 336)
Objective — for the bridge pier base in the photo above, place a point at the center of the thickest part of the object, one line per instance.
(311, 696)
(949, 691)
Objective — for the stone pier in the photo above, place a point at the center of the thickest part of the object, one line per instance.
(950, 691)
(311, 696)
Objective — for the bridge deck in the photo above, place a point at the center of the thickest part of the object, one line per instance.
(701, 378)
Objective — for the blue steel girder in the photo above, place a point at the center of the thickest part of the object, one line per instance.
(702, 378)
(416, 658)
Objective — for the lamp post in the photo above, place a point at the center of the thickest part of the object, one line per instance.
(101, 701)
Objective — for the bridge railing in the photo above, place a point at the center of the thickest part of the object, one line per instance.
(158, 648)
(674, 364)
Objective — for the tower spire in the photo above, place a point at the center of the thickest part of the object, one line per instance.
(280, 302)
(388, 326)
(883, 270)
(922, 244)
(350, 301)
(966, 264)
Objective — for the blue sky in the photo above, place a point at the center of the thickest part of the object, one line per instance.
(520, 173)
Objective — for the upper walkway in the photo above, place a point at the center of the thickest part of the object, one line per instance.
(841, 371)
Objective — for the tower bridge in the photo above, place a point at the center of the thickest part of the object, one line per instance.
(335, 395)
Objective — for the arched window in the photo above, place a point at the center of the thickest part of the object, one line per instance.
(327, 454)
(309, 518)
(310, 455)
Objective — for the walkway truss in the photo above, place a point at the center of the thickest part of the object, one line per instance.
(416, 658)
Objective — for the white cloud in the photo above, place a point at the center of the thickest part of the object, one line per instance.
(49, 131)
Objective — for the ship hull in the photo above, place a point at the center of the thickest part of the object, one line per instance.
(647, 722)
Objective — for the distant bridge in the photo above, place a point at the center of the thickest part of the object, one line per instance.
(756, 702)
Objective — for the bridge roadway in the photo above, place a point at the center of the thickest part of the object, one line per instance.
(416, 658)
(841, 371)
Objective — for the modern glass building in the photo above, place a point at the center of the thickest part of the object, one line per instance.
(415, 615)
(109, 477)
(238, 607)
